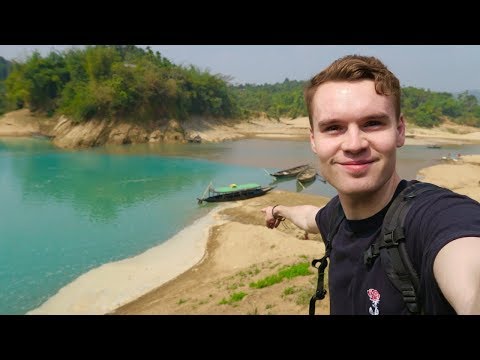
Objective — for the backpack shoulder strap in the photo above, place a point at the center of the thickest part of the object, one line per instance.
(392, 249)
(336, 217)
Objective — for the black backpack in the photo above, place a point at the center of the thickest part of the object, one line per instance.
(390, 246)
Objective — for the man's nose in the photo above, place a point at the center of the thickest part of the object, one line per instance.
(354, 140)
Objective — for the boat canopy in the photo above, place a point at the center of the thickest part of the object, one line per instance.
(235, 187)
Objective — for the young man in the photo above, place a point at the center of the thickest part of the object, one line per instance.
(355, 128)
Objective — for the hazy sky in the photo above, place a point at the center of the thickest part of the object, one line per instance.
(451, 68)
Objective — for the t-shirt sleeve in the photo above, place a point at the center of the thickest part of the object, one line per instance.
(435, 220)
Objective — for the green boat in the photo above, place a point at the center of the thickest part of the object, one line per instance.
(234, 192)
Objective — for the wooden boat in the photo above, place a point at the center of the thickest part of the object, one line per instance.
(234, 192)
(292, 172)
(307, 175)
(434, 146)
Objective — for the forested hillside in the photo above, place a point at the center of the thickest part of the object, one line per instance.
(5, 66)
(119, 82)
(427, 108)
(422, 107)
(277, 100)
(134, 84)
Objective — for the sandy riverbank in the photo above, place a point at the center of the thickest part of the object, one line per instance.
(23, 123)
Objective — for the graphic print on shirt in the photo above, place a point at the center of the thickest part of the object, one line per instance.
(374, 296)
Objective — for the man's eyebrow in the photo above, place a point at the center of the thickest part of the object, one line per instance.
(376, 116)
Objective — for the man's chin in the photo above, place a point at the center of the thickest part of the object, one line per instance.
(352, 188)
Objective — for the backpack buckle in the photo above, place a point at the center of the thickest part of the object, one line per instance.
(389, 239)
(369, 256)
(320, 295)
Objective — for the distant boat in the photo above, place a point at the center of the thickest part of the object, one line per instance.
(234, 192)
(434, 146)
(307, 175)
(291, 172)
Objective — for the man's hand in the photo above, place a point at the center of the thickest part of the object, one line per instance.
(270, 221)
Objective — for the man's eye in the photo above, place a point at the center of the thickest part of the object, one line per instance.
(332, 128)
(373, 123)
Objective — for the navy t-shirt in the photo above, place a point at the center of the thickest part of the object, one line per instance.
(435, 219)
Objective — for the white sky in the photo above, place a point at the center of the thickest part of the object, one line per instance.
(451, 68)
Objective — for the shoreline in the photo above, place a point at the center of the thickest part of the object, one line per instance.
(111, 285)
(24, 124)
(239, 249)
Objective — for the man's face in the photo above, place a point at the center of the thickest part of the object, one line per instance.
(355, 136)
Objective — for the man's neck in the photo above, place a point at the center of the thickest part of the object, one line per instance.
(359, 207)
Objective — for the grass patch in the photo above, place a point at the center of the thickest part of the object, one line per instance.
(182, 301)
(289, 272)
(303, 297)
(268, 281)
(235, 297)
(254, 271)
(289, 291)
(300, 269)
(302, 294)
(232, 287)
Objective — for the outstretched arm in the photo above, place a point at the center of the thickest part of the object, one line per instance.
(457, 271)
(302, 216)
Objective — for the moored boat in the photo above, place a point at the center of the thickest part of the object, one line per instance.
(291, 172)
(307, 175)
(234, 192)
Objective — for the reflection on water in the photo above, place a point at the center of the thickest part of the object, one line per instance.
(304, 185)
(100, 185)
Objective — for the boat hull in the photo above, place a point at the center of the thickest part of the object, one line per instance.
(292, 172)
(307, 175)
(237, 195)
